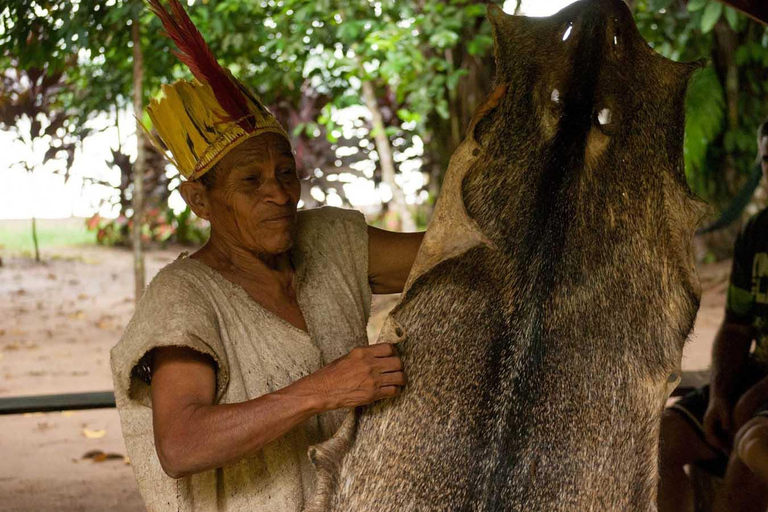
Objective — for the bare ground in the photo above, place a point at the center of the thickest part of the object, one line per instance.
(58, 321)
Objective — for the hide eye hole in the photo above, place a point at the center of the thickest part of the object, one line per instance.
(606, 121)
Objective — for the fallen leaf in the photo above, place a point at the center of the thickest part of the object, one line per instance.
(94, 434)
(104, 325)
(127, 460)
(77, 315)
(11, 346)
(52, 277)
(68, 413)
(1, 356)
(100, 456)
(83, 296)
(33, 414)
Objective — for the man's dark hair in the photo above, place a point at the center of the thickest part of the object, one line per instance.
(209, 178)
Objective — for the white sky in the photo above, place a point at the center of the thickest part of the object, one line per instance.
(45, 195)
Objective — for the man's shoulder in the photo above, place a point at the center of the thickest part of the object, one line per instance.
(328, 214)
(756, 226)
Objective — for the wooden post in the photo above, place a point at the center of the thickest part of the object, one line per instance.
(138, 167)
(34, 239)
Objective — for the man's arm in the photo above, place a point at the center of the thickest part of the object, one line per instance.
(729, 355)
(192, 434)
(390, 258)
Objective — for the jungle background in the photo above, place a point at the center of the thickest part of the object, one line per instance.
(376, 95)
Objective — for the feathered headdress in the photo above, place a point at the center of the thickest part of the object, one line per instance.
(200, 121)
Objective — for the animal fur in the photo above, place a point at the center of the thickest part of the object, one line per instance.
(544, 320)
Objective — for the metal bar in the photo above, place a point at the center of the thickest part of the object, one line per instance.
(63, 402)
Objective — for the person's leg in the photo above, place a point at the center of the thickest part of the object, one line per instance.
(752, 446)
(680, 445)
(743, 490)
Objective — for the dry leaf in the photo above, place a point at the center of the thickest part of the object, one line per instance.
(77, 315)
(52, 277)
(33, 414)
(104, 325)
(83, 296)
(68, 413)
(11, 346)
(1, 356)
(94, 434)
(100, 456)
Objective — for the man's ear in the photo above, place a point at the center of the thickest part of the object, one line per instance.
(196, 196)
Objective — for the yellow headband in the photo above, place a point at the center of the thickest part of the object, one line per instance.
(190, 124)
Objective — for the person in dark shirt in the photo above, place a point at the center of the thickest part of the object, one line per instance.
(723, 427)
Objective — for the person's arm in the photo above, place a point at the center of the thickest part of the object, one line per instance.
(748, 403)
(390, 258)
(732, 343)
(192, 434)
(729, 354)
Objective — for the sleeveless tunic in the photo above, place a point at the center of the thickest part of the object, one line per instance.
(256, 352)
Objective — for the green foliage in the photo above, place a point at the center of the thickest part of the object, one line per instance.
(721, 115)
(704, 121)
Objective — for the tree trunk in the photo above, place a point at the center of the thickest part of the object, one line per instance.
(138, 168)
(34, 239)
(726, 44)
(384, 149)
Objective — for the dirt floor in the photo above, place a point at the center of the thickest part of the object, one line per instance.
(58, 321)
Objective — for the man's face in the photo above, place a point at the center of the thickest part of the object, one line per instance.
(253, 203)
(763, 152)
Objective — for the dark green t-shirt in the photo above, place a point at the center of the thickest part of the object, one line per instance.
(748, 291)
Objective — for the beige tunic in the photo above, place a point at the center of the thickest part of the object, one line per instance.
(190, 304)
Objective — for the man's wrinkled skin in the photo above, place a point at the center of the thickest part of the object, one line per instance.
(543, 322)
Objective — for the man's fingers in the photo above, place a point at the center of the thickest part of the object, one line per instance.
(389, 391)
(713, 430)
(383, 350)
(390, 364)
(393, 379)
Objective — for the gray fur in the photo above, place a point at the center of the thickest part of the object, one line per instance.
(553, 294)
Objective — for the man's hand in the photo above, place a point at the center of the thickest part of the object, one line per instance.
(748, 404)
(363, 376)
(717, 423)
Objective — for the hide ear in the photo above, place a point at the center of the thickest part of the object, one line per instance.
(505, 28)
(481, 119)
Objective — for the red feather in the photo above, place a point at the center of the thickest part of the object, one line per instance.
(195, 53)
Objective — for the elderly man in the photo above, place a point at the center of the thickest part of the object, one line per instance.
(724, 426)
(242, 355)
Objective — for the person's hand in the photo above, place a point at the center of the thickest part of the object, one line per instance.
(717, 423)
(748, 404)
(363, 376)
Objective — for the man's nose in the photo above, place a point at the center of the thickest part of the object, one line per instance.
(276, 191)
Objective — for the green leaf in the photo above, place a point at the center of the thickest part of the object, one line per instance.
(712, 13)
(657, 5)
(696, 5)
(705, 117)
(732, 16)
